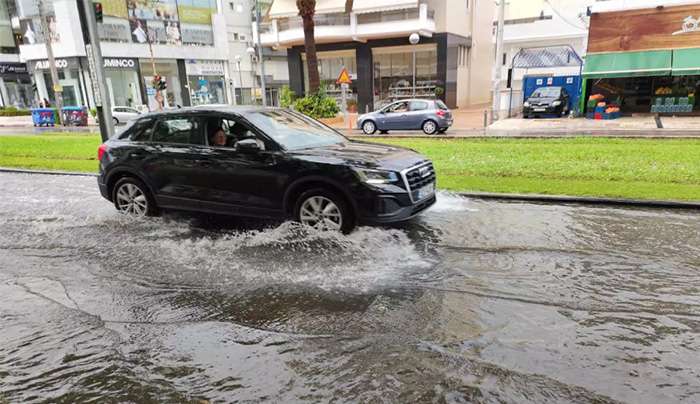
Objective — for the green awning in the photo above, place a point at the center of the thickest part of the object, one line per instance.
(686, 62)
(628, 64)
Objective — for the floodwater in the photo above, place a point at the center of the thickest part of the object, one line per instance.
(474, 301)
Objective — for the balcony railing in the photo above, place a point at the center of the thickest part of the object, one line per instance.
(284, 24)
(387, 16)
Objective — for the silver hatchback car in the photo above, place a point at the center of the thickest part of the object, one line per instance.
(432, 116)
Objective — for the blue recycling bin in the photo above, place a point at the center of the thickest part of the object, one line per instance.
(43, 117)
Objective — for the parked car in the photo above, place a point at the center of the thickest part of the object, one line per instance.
(547, 101)
(124, 114)
(261, 162)
(432, 116)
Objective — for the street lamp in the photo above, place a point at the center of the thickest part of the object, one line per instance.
(240, 79)
(414, 38)
(251, 52)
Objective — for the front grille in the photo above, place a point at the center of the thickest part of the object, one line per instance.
(418, 177)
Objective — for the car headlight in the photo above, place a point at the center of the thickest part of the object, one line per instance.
(376, 176)
(556, 103)
(526, 104)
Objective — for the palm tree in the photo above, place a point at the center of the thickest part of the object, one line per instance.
(307, 9)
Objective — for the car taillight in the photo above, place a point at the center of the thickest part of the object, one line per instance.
(441, 113)
(101, 151)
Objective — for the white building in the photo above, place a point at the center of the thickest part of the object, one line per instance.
(541, 24)
(453, 58)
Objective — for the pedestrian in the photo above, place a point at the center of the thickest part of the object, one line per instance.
(47, 104)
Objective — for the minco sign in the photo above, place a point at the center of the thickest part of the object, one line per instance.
(120, 63)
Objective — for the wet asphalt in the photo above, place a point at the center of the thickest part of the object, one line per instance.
(474, 301)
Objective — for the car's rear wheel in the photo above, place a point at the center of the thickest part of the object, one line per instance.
(369, 127)
(131, 197)
(116, 121)
(324, 210)
(429, 127)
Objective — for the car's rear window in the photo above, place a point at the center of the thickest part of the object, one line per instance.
(441, 104)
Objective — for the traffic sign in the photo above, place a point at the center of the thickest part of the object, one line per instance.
(344, 77)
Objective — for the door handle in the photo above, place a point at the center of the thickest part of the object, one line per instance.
(137, 154)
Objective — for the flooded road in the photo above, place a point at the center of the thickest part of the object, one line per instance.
(473, 302)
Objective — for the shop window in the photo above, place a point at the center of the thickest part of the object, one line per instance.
(330, 64)
(393, 73)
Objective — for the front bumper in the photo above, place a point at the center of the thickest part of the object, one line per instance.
(541, 110)
(376, 206)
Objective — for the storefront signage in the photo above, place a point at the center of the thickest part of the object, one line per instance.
(13, 68)
(204, 68)
(690, 24)
(119, 63)
(68, 63)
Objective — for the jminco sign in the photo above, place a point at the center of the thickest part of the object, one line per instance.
(120, 63)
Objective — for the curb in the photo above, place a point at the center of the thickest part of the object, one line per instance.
(45, 172)
(583, 200)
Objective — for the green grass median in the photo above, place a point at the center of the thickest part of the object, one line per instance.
(664, 169)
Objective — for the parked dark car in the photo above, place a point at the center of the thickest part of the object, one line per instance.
(431, 116)
(547, 101)
(261, 162)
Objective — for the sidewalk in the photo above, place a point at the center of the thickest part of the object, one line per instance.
(635, 126)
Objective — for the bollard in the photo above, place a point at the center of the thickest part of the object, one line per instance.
(486, 118)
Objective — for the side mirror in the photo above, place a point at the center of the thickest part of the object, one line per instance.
(248, 146)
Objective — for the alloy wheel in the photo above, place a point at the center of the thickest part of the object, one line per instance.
(131, 200)
(369, 127)
(321, 213)
(429, 127)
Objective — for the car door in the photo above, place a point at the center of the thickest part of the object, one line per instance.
(178, 174)
(394, 115)
(416, 114)
(243, 182)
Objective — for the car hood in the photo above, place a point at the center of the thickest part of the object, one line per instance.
(363, 154)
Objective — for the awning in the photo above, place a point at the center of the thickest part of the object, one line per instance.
(686, 62)
(288, 8)
(375, 6)
(628, 64)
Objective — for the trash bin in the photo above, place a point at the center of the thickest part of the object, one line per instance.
(74, 116)
(44, 117)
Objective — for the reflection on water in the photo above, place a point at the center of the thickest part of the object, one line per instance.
(474, 301)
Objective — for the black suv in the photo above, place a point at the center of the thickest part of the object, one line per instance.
(261, 162)
(547, 101)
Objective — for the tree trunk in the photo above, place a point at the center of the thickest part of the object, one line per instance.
(311, 59)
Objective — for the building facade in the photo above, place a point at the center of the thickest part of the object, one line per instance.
(182, 41)
(452, 60)
(540, 24)
(649, 64)
(15, 83)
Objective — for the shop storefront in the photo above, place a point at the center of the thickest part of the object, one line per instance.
(69, 76)
(15, 85)
(650, 65)
(382, 70)
(123, 84)
(172, 96)
(206, 82)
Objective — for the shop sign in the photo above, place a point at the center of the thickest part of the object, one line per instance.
(16, 68)
(119, 63)
(68, 63)
(204, 68)
(690, 24)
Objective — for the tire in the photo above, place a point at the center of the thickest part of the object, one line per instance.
(131, 196)
(369, 127)
(429, 127)
(115, 120)
(324, 210)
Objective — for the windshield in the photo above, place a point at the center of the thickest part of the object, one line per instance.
(547, 92)
(293, 131)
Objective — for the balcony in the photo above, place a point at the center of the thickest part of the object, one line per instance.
(341, 27)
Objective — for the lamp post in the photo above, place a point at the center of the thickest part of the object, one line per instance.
(414, 38)
(251, 51)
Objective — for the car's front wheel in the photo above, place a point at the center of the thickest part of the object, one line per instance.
(369, 127)
(131, 197)
(324, 210)
(429, 127)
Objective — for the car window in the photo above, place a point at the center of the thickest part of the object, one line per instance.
(547, 92)
(292, 130)
(179, 130)
(441, 105)
(137, 130)
(417, 105)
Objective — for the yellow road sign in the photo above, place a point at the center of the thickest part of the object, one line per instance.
(344, 77)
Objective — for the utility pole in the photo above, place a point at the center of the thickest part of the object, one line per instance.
(88, 24)
(45, 31)
(258, 21)
(498, 64)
